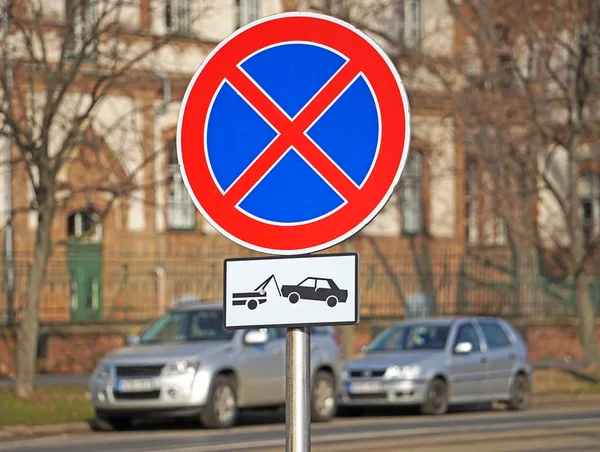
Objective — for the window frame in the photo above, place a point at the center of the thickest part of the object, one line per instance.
(489, 346)
(247, 11)
(413, 179)
(455, 342)
(79, 231)
(178, 198)
(174, 11)
(412, 25)
(80, 16)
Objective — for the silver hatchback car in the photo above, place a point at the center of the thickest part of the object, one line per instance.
(433, 363)
(186, 364)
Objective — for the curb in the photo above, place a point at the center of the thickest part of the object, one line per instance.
(16, 431)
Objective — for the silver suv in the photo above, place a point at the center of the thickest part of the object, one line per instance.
(186, 364)
(433, 363)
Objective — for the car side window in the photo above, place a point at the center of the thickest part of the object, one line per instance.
(275, 333)
(322, 284)
(308, 283)
(494, 334)
(467, 333)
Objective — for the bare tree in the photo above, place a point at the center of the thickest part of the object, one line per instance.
(59, 70)
(522, 87)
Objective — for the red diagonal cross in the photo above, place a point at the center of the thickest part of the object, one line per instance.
(292, 133)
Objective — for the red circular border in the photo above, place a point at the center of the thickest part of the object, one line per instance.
(259, 235)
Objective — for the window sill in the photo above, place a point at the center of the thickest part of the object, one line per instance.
(180, 230)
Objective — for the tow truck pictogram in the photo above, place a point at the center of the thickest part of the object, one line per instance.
(259, 296)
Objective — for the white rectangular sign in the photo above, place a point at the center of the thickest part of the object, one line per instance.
(291, 291)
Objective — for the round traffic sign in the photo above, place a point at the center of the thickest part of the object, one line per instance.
(293, 133)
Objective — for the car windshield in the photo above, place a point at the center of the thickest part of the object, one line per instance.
(412, 337)
(187, 326)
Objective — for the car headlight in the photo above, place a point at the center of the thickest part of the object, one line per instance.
(102, 371)
(182, 367)
(408, 372)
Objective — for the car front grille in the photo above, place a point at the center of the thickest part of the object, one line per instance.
(150, 395)
(138, 371)
(367, 373)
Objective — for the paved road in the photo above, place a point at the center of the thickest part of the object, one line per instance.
(566, 429)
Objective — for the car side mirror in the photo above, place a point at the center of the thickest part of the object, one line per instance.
(133, 340)
(463, 348)
(364, 348)
(256, 337)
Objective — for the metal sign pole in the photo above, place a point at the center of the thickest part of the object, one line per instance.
(297, 407)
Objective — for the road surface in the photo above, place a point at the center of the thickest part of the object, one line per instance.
(568, 429)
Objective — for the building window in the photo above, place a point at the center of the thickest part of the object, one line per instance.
(177, 16)
(471, 205)
(247, 11)
(589, 194)
(411, 194)
(409, 22)
(84, 225)
(81, 26)
(181, 213)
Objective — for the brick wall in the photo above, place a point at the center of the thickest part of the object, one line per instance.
(76, 350)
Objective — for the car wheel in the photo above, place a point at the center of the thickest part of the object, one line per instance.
(221, 410)
(294, 298)
(117, 423)
(252, 305)
(436, 401)
(520, 393)
(331, 301)
(323, 402)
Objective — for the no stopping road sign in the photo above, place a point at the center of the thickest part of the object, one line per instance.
(293, 133)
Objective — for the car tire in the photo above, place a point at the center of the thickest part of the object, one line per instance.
(323, 400)
(436, 398)
(331, 301)
(115, 423)
(252, 305)
(520, 393)
(221, 410)
(294, 298)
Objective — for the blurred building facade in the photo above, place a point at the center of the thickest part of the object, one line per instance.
(153, 245)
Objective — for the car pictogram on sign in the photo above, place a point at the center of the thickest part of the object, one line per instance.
(319, 289)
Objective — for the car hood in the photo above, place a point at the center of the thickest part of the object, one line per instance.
(385, 359)
(161, 353)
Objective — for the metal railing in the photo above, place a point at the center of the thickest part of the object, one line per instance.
(138, 287)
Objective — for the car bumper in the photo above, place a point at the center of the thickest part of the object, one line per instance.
(169, 394)
(387, 392)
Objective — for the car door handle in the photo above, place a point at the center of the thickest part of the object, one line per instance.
(511, 356)
(483, 360)
(277, 351)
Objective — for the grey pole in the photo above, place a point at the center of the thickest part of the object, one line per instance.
(297, 407)
(7, 175)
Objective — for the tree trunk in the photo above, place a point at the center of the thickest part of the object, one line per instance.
(27, 333)
(577, 273)
(587, 320)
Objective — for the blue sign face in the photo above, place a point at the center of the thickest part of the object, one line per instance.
(292, 191)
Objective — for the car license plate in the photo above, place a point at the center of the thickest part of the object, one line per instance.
(365, 387)
(135, 385)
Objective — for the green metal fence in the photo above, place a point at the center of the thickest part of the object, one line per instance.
(136, 288)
